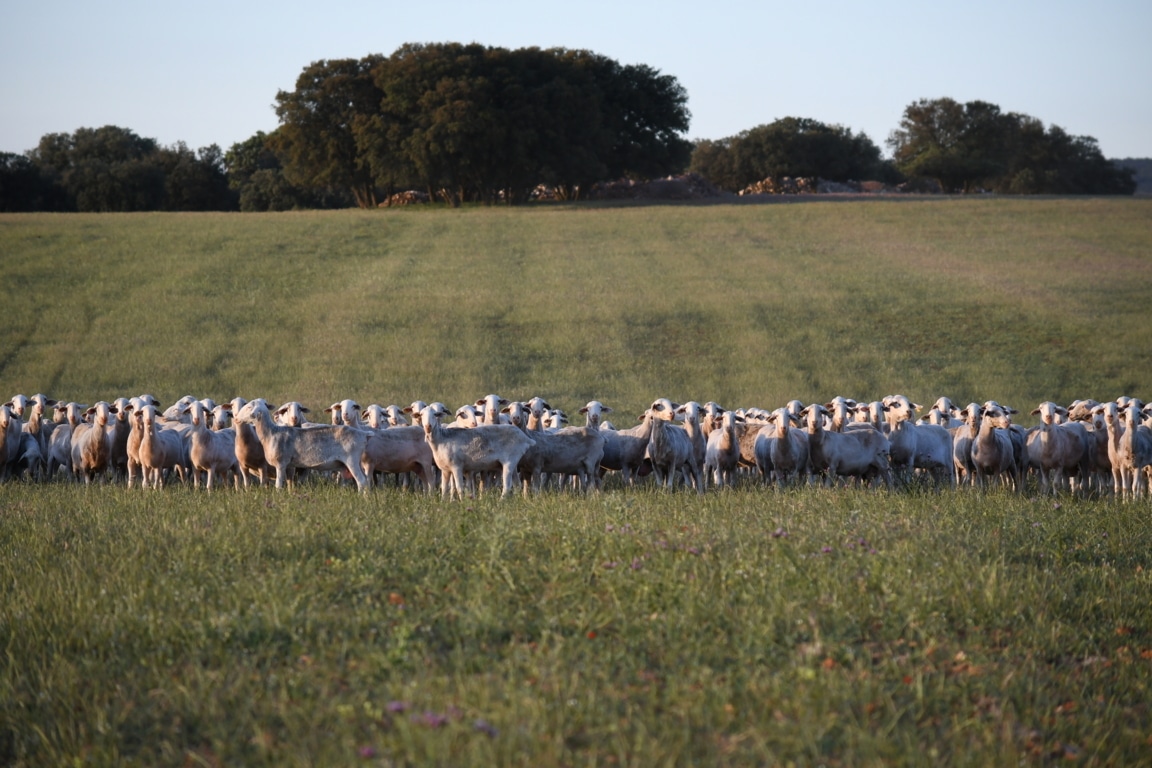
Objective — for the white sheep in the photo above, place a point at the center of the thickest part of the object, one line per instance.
(912, 446)
(574, 451)
(722, 454)
(90, 454)
(160, 449)
(859, 453)
(211, 452)
(782, 449)
(670, 449)
(594, 413)
(992, 452)
(485, 448)
(322, 447)
(1059, 450)
(247, 447)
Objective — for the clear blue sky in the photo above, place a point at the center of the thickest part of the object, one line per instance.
(207, 72)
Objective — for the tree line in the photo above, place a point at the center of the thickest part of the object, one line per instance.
(470, 123)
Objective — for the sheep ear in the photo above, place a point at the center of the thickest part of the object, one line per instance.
(606, 409)
(584, 409)
(1061, 410)
(1035, 411)
(503, 401)
(917, 406)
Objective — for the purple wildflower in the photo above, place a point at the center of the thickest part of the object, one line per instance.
(610, 564)
(637, 564)
(779, 533)
(430, 719)
(693, 550)
(485, 727)
(367, 752)
(826, 550)
(396, 707)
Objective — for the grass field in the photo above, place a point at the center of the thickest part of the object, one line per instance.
(750, 627)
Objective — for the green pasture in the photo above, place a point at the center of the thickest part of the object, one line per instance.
(1014, 300)
(751, 626)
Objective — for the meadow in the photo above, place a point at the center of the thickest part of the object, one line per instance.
(748, 627)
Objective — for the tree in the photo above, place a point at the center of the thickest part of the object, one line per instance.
(21, 186)
(469, 122)
(975, 146)
(316, 141)
(256, 175)
(791, 146)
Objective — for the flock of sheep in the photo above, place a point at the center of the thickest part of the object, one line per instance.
(1087, 447)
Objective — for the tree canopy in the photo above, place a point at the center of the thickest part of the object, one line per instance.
(792, 146)
(472, 122)
(113, 169)
(974, 146)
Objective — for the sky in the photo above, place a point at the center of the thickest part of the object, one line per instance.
(207, 72)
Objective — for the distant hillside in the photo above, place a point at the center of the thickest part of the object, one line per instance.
(1143, 168)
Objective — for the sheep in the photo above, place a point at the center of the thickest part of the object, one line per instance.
(992, 452)
(840, 411)
(29, 458)
(160, 449)
(1016, 434)
(782, 450)
(722, 455)
(913, 446)
(859, 453)
(670, 449)
(415, 410)
(537, 407)
(690, 413)
(211, 452)
(292, 414)
(963, 470)
(60, 444)
(90, 454)
(467, 417)
(178, 411)
(873, 414)
(491, 406)
(247, 447)
(1129, 448)
(556, 419)
(321, 447)
(117, 433)
(485, 448)
(35, 429)
(711, 415)
(10, 431)
(593, 413)
(624, 449)
(399, 451)
(575, 451)
(1059, 450)
(1081, 410)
